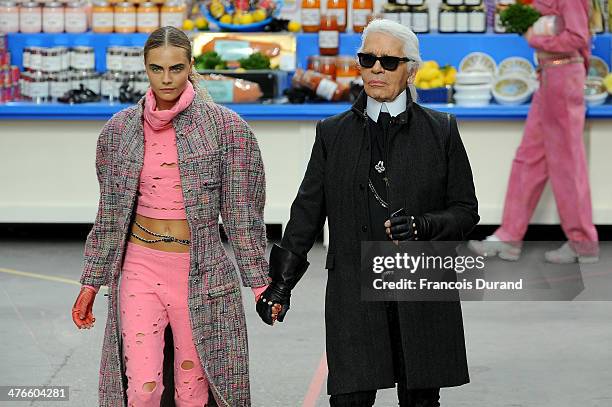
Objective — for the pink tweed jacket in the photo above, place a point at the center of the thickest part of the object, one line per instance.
(221, 173)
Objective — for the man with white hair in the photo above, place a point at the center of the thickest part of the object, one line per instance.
(387, 169)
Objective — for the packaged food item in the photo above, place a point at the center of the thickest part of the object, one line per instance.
(329, 36)
(125, 18)
(362, 13)
(311, 16)
(346, 69)
(53, 18)
(76, 17)
(147, 18)
(173, 12)
(30, 18)
(317, 82)
(9, 17)
(224, 89)
(338, 8)
(233, 49)
(102, 17)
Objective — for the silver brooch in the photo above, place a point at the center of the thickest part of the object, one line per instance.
(380, 167)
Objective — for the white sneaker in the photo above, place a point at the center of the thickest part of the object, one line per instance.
(492, 246)
(566, 255)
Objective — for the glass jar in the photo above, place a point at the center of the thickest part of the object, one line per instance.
(447, 22)
(133, 60)
(314, 62)
(415, 2)
(405, 16)
(25, 58)
(9, 17)
(82, 58)
(92, 82)
(53, 18)
(125, 18)
(173, 13)
(51, 60)
(64, 55)
(102, 17)
(346, 69)
(473, 2)
(391, 12)
(338, 9)
(478, 19)
(76, 17)
(311, 16)
(420, 19)
(24, 85)
(35, 63)
(59, 85)
(362, 12)
(329, 36)
(454, 2)
(327, 66)
(147, 18)
(141, 83)
(463, 19)
(114, 58)
(30, 18)
(39, 87)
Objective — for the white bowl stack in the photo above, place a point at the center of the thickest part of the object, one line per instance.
(473, 84)
(515, 83)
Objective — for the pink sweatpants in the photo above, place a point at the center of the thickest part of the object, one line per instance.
(153, 293)
(553, 148)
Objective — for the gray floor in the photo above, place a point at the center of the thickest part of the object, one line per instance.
(544, 354)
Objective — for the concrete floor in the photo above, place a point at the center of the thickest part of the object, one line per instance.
(544, 354)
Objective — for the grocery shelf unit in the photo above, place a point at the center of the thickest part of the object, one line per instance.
(57, 141)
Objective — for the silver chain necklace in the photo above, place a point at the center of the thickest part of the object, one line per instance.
(378, 198)
(164, 238)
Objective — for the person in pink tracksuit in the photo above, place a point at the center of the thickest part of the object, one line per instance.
(552, 146)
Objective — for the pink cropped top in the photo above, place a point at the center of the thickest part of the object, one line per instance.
(160, 194)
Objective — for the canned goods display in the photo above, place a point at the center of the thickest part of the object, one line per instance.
(82, 58)
(114, 58)
(133, 59)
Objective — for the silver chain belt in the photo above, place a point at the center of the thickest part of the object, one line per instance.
(164, 238)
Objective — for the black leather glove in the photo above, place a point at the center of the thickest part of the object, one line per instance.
(409, 228)
(286, 269)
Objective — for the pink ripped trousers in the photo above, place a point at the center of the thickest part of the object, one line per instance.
(153, 293)
(553, 148)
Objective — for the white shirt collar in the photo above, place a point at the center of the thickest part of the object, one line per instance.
(395, 107)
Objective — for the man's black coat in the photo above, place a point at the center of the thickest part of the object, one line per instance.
(430, 174)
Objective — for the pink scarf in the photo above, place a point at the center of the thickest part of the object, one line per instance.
(159, 119)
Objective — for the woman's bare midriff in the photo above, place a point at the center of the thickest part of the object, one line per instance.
(179, 228)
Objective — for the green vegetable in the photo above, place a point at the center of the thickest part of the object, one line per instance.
(209, 60)
(517, 18)
(255, 61)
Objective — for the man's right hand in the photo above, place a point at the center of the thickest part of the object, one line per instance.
(82, 310)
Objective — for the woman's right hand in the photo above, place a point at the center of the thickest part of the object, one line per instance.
(82, 310)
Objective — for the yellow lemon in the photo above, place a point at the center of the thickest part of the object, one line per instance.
(437, 83)
(216, 9)
(188, 25)
(259, 15)
(428, 74)
(294, 26)
(424, 85)
(236, 18)
(246, 19)
(226, 19)
(201, 23)
(431, 64)
(608, 82)
(450, 77)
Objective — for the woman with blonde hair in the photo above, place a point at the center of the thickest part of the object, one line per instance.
(167, 168)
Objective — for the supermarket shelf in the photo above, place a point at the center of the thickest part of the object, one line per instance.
(264, 112)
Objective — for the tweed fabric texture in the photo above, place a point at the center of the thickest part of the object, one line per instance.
(221, 173)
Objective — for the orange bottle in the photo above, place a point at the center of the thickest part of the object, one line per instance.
(311, 15)
(329, 37)
(362, 11)
(338, 9)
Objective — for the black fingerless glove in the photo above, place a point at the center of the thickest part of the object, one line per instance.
(410, 228)
(286, 269)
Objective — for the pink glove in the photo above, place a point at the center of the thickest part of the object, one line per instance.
(82, 310)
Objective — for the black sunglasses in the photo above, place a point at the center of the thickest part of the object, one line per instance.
(389, 63)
